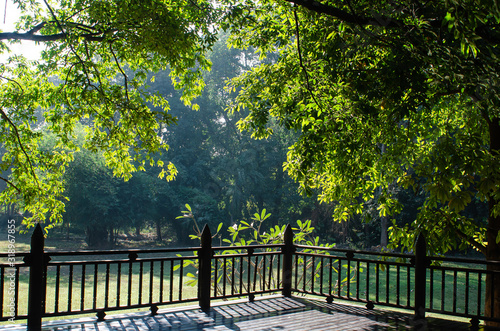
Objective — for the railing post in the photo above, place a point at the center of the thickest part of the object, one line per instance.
(205, 271)
(288, 251)
(36, 284)
(420, 276)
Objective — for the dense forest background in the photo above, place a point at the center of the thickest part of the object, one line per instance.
(223, 174)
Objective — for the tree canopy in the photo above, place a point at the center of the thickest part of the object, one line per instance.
(94, 67)
(224, 174)
(384, 94)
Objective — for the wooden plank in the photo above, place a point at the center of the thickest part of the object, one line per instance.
(280, 313)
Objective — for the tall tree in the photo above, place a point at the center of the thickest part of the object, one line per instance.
(222, 173)
(248, 173)
(92, 198)
(421, 78)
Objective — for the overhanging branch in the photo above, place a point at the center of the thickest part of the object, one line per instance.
(318, 7)
(88, 33)
(30, 36)
(4, 116)
(471, 241)
(11, 184)
(301, 63)
(45, 38)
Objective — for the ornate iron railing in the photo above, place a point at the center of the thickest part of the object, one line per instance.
(68, 283)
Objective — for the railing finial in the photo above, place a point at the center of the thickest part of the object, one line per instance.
(37, 238)
(421, 244)
(288, 235)
(206, 236)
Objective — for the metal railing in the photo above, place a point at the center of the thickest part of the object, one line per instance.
(69, 283)
(449, 286)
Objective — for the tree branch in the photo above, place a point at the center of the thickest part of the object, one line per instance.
(5, 12)
(70, 45)
(125, 78)
(301, 63)
(16, 132)
(348, 17)
(37, 28)
(53, 15)
(13, 81)
(471, 241)
(98, 36)
(11, 184)
(30, 36)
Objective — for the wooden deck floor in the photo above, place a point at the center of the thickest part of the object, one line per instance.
(270, 314)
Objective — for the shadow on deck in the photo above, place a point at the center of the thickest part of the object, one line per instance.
(268, 314)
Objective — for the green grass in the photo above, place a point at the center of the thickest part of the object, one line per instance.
(53, 242)
(56, 240)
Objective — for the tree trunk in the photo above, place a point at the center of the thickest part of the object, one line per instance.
(158, 230)
(97, 237)
(180, 232)
(383, 232)
(11, 209)
(111, 232)
(492, 303)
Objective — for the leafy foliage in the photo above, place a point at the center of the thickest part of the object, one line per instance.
(95, 67)
(379, 94)
(383, 94)
(243, 234)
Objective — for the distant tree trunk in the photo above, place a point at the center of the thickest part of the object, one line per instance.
(383, 220)
(279, 188)
(383, 232)
(492, 304)
(111, 232)
(10, 210)
(158, 229)
(97, 236)
(180, 232)
(138, 231)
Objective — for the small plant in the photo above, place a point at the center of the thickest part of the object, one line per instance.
(188, 215)
(230, 274)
